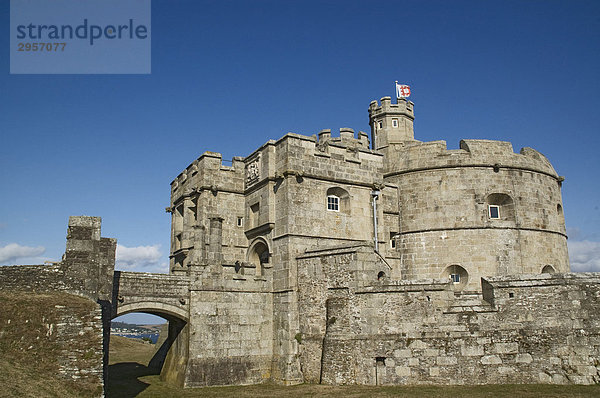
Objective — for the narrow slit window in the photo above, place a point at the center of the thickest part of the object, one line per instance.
(494, 211)
(333, 203)
(393, 236)
(380, 125)
(240, 221)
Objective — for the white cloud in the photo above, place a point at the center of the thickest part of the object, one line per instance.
(11, 252)
(584, 256)
(140, 258)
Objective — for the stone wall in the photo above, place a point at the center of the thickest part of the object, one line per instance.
(86, 270)
(529, 329)
(53, 334)
(230, 337)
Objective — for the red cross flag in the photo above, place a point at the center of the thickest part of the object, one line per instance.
(402, 90)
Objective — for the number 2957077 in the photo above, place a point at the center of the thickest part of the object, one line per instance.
(48, 47)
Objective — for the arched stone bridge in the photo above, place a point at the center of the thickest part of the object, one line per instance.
(159, 294)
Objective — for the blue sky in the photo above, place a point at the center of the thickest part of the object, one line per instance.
(229, 75)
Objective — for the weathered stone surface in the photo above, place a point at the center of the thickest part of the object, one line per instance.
(319, 259)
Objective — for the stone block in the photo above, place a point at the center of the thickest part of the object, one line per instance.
(491, 360)
(403, 371)
(524, 358)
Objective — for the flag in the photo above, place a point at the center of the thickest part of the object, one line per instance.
(402, 90)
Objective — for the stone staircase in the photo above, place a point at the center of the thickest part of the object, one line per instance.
(469, 302)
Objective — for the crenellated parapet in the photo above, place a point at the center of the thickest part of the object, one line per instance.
(343, 158)
(208, 173)
(472, 153)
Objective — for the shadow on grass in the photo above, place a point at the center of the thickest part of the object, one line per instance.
(123, 379)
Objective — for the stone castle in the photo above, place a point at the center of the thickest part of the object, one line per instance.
(333, 259)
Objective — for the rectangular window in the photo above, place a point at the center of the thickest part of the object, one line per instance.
(333, 203)
(494, 211)
(455, 278)
(393, 240)
(394, 122)
(380, 125)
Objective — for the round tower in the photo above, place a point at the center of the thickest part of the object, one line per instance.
(391, 123)
(482, 210)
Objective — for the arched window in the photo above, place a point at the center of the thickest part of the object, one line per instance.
(258, 255)
(338, 200)
(500, 206)
(548, 269)
(457, 275)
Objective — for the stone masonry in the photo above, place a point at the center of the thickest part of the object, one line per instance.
(327, 259)
(343, 260)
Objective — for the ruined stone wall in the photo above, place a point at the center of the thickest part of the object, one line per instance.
(86, 271)
(444, 197)
(530, 329)
(47, 326)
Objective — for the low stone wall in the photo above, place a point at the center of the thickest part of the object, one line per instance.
(34, 278)
(530, 329)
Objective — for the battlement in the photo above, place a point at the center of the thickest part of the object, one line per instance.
(346, 136)
(209, 172)
(416, 156)
(403, 106)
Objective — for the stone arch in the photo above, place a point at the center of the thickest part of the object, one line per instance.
(343, 199)
(548, 269)
(505, 205)
(259, 254)
(457, 275)
(167, 311)
(176, 338)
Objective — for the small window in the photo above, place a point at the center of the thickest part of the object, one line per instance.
(333, 203)
(494, 211)
(394, 122)
(240, 221)
(380, 125)
(457, 275)
(393, 236)
(501, 207)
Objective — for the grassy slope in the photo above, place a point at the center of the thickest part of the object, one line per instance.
(28, 352)
(132, 378)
